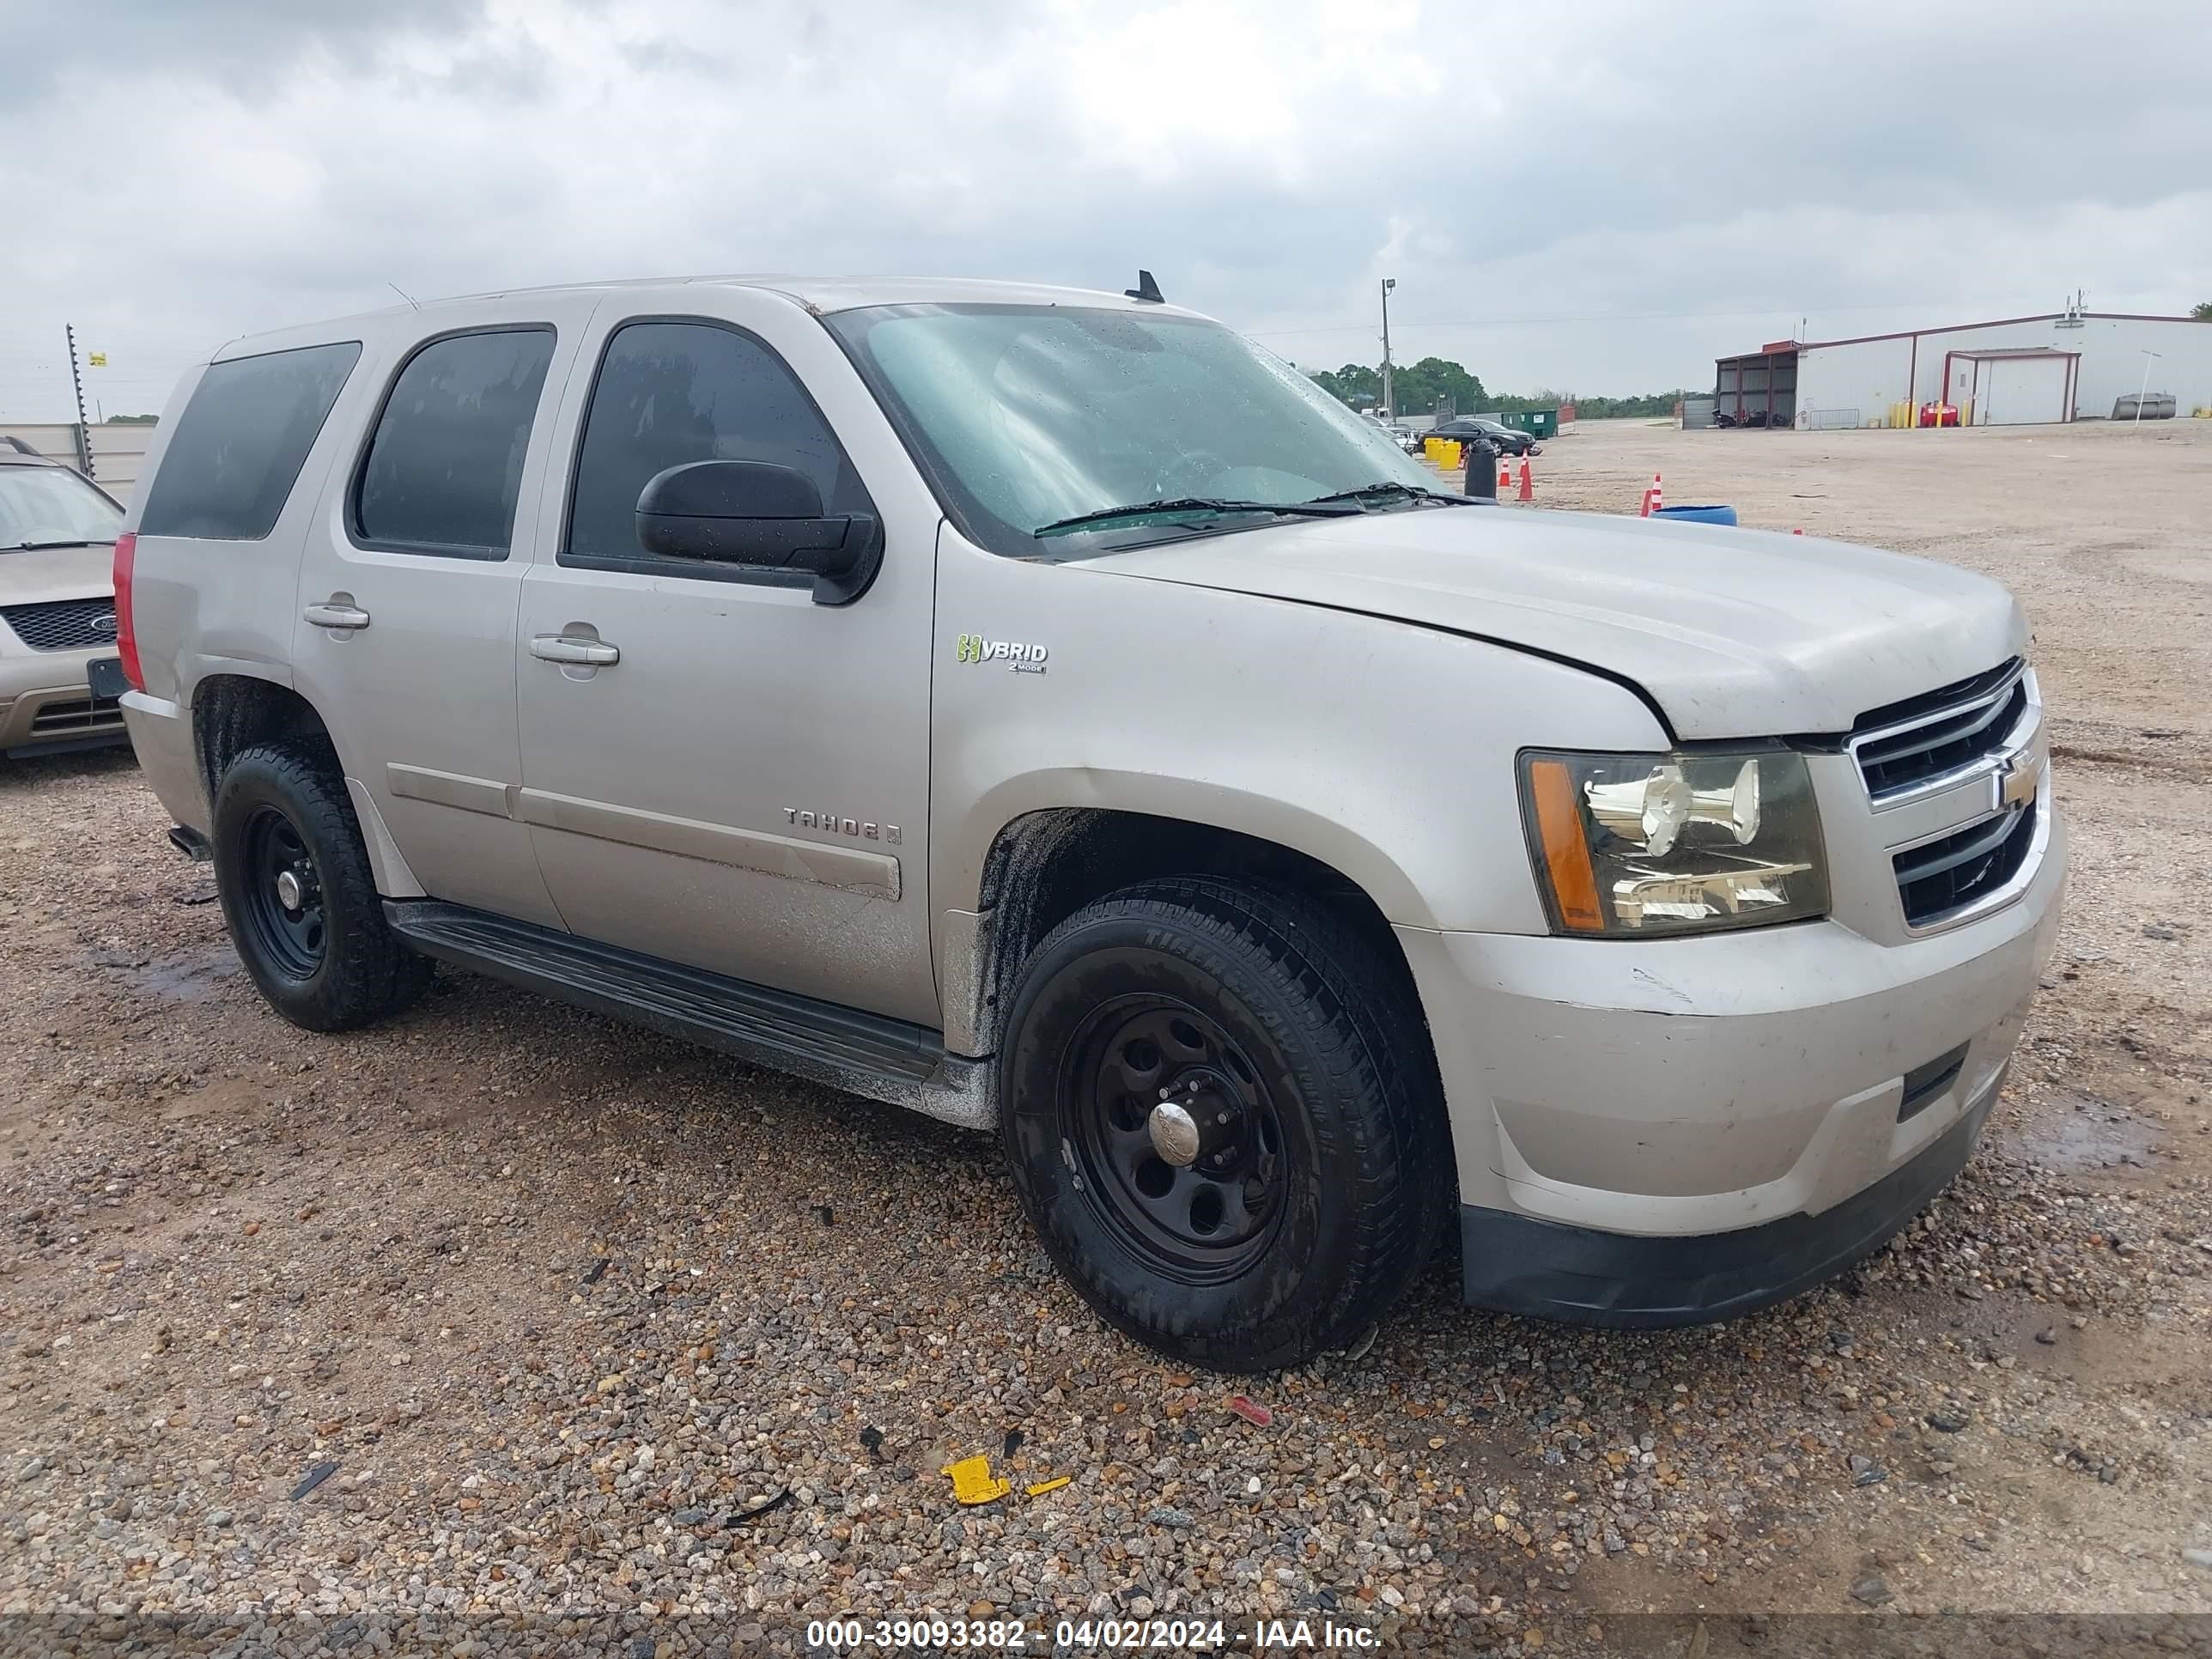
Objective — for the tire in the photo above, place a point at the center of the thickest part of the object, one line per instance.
(1321, 1169)
(328, 962)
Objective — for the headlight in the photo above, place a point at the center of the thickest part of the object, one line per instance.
(1643, 844)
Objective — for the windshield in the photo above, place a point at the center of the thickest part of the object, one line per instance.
(1027, 416)
(50, 505)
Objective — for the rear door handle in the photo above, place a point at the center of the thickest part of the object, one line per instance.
(563, 648)
(336, 615)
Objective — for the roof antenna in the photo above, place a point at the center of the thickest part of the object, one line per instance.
(402, 294)
(1146, 289)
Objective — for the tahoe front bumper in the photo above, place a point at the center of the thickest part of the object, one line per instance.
(1664, 1131)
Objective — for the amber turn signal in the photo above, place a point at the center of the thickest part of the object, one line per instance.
(1566, 853)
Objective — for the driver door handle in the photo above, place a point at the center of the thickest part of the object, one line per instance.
(563, 647)
(336, 615)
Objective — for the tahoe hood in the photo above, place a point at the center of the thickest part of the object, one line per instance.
(1732, 632)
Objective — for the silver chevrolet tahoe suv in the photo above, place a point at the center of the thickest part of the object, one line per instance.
(1047, 711)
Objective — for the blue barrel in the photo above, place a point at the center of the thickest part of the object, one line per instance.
(1697, 515)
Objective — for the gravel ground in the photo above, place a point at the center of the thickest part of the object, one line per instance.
(597, 1339)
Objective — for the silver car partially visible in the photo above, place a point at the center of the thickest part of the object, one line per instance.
(56, 607)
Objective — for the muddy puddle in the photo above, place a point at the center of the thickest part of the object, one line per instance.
(180, 976)
(2076, 1133)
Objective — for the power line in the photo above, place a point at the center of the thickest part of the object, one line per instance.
(106, 378)
(1618, 317)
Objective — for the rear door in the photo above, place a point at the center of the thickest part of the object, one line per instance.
(740, 781)
(408, 590)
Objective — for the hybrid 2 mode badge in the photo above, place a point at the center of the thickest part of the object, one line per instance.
(1022, 658)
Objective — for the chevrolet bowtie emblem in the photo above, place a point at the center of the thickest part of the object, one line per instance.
(2016, 784)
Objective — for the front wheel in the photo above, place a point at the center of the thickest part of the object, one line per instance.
(1222, 1116)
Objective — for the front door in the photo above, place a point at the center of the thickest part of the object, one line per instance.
(404, 636)
(1960, 393)
(717, 769)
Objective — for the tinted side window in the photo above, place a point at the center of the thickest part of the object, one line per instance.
(240, 443)
(445, 465)
(672, 392)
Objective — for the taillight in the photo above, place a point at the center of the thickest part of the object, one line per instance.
(126, 636)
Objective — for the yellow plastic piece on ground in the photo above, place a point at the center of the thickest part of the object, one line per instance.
(974, 1483)
(1044, 1486)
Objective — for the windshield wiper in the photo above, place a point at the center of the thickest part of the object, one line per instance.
(1410, 492)
(40, 547)
(1324, 508)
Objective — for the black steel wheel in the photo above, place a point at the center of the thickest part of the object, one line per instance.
(298, 895)
(1221, 1114)
(1179, 1141)
(282, 900)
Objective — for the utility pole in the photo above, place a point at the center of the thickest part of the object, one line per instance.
(1389, 405)
(76, 384)
(2150, 357)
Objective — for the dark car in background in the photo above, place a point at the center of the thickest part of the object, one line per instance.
(1503, 438)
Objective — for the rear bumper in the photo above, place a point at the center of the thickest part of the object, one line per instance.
(1518, 1264)
(161, 733)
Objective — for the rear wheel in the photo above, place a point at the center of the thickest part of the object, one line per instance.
(1224, 1121)
(298, 894)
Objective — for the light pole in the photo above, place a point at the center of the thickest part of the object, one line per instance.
(2144, 391)
(1390, 407)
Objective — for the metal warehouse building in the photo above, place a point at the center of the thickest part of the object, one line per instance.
(2063, 365)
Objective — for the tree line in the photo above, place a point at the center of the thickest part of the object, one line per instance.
(1423, 386)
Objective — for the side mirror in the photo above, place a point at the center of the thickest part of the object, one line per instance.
(761, 517)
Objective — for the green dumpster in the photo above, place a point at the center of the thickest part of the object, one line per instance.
(1538, 423)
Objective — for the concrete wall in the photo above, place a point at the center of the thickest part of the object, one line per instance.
(117, 451)
(1869, 375)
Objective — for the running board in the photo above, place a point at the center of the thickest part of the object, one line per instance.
(865, 1054)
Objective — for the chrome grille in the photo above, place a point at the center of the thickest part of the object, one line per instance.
(1925, 742)
(63, 624)
(1941, 878)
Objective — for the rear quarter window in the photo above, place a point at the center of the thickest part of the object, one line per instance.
(238, 446)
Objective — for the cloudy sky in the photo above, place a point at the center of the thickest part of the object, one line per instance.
(1599, 197)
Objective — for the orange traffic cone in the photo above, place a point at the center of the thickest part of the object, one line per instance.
(1528, 481)
(1504, 475)
(1652, 498)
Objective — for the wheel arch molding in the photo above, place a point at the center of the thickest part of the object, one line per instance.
(1043, 864)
